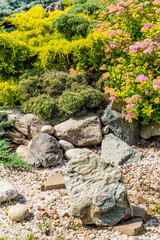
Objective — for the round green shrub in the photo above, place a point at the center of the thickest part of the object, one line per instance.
(30, 85)
(75, 87)
(93, 98)
(43, 106)
(86, 6)
(71, 102)
(70, 25)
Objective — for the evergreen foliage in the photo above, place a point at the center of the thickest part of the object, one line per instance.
(71, 25)
(6, 157)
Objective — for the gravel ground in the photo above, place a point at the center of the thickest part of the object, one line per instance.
(50, 217)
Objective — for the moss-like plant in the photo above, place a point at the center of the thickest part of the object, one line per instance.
(71, 25)
(43, 106)
(71, 102)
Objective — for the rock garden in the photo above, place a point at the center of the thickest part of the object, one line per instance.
(80, 120)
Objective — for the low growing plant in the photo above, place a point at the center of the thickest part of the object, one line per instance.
(6, 157)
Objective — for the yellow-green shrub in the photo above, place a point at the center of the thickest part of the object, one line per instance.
(9, 94)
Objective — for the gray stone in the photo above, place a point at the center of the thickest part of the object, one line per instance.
(150, 130)
(22, 150)
(117, 151)
(66, 145)
(55, 6)
(105, 130)
(17, 137)
(80, 131)
(129, 132)
(47, 129)
(75, 152)
(44, 150)
(18, 212)
(96, 190)
(27, 124)
(7, 191)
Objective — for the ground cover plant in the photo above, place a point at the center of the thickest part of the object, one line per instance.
(118, 41)
(6, 157)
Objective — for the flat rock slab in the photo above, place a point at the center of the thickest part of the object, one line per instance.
(96, 190)
(130, 227)
(140, 212)
(54, 182)
(84, 131)
(117, 151)
(7, 191)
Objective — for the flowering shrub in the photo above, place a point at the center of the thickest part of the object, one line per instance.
(124, 47)
(133, 57)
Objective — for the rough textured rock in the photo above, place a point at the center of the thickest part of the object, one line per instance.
(150, 130)
(27, 124)
(47, 129)
(97, 192)
(80, 131)
(15, 136)
(22, 150)
(18, 212)
(7, 191)
(66, 145)
(117, 151)
(55, 6)
(76, 152)
(129, 132)
(44, 150)
(130, 227)
(54, 182)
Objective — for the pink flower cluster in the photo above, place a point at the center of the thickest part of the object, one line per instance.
(138, 46)
(156, 84)
(130, 115)
(148, 25)
(141, 78)
(146, 46)
(130, 106)
(114, 45)
(141, 5)
(133, 99)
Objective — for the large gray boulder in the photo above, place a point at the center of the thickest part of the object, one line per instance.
(7, 191)
(96, 190)
(83, 131)
(27, 124)
(117, 151)
(44, 150)
(113, 118)
(150, 130)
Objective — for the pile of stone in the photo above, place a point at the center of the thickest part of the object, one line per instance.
(94, 183)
